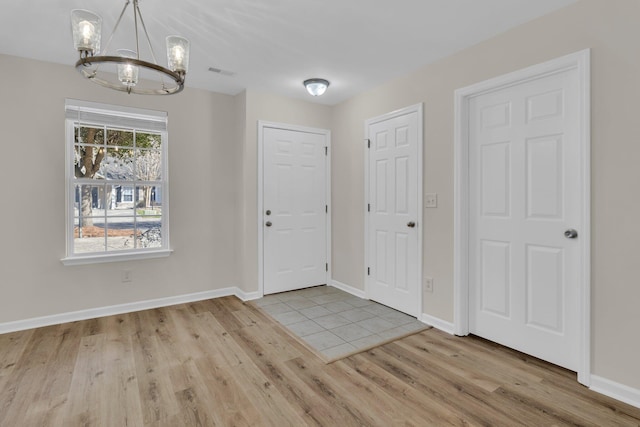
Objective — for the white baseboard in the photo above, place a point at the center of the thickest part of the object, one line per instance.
(92, 313)
(616, 390)
(440, 324)
(349, 289)
(247, 296)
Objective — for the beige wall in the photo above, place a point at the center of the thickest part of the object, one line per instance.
(202, 163)
(272, 108)
(611, 29)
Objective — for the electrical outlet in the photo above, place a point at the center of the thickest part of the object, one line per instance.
(127, 276)
(428, 284)
(431, 200)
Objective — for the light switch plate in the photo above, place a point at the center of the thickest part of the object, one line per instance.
(431, 200)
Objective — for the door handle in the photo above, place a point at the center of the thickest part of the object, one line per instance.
(571, 234)
(411, 224)
(268, 223)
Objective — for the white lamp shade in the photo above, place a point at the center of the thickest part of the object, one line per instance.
(127, 73)
(86, 27)
(316, 87)
(178, 54)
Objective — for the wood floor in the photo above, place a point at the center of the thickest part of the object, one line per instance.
(222, 362)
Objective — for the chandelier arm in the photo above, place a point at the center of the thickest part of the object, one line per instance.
(136, 10)
(144, 28)
(106, 46)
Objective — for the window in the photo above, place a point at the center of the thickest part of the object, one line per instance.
(117, 204)
(127, 194)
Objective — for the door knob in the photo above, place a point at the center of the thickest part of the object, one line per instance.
(411, 224)
(571, 234)
(268, 223)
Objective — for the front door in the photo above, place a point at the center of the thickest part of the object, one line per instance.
(294, 220)
(394, 214)
(526, 218)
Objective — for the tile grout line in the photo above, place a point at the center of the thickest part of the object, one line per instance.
(361, 325)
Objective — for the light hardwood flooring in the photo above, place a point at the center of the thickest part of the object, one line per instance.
(223, 363)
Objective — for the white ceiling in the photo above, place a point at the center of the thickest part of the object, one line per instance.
(273, 45)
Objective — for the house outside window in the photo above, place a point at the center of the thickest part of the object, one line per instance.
(116, 169)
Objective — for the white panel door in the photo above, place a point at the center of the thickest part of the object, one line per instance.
(525, 193)
(294, 217)
(393, 213)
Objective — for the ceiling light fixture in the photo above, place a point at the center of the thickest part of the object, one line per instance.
(316, 87)
(121, 72)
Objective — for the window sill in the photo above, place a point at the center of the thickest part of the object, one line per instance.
(97, 259)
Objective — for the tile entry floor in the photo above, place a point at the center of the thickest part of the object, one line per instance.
(336, 323)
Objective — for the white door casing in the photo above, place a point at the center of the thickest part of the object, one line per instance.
(393, 213)
(293, 207)
(522, 180)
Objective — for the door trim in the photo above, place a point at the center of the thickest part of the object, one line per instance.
(417, 108)
(579, 61)
(327, 136)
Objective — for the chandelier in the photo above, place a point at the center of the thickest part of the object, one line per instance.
(123, 71)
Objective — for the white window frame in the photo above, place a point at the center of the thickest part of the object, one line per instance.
(90, 113)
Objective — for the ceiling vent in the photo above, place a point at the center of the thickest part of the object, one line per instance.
(222, 72)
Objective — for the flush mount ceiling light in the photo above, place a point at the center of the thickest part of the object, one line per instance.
(122, 71)
(316, 87)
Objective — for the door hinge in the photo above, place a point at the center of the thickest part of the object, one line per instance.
(368, 143)
(368, 207)
(326, 208)
(326, 267)
(326, 151)
(368, 271)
